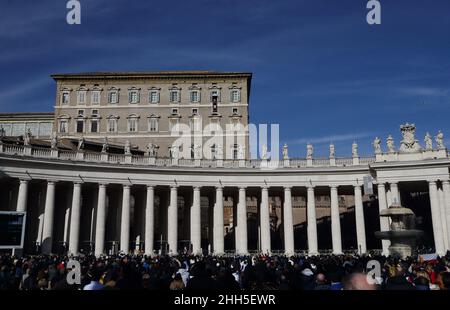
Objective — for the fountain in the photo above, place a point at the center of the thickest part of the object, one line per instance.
(402, 234)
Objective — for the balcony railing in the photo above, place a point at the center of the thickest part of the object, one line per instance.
(144, 160)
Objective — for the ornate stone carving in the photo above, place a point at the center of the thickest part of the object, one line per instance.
(175, 151)
(377, 145)
(54, 141)
(105, 145)
(440, 140)
(428, 142)
(263, 152)
(80, 143)
(27, 137)
(127, 148)
(332, 150)
(197, 151)
(285, 151)
(409, 143)
(309, 151)
(240, 152)
(354, 149)
(152, 150)
(390, 144)
(219, 151)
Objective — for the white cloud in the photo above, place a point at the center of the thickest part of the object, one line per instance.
(332, 138)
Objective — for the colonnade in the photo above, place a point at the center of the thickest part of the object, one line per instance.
(387, 194)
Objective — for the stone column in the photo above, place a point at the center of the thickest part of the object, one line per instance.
(47, 231)
(360, 225)
(264, 218)
(196, 233)
(435, 217)
(384, 221)
(218, 222)
(395, 193)
(125, 222)
(22, 196)
(100, 223)
(441, 200)
(446, 190)
(74, 236)
(172, 221)
(288, 224)
(149, 220)
(335, 221)
(242, 242)
(312, 222)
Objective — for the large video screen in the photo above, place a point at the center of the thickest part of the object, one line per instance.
(12, 230)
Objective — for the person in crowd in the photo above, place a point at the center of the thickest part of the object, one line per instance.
(95, 275)
(177, 283)
(207, 272)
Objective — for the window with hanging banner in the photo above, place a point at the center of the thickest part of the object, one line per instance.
(12, 230)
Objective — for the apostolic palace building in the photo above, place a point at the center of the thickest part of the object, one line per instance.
(160, 162)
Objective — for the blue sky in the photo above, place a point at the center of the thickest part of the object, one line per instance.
(320, 70)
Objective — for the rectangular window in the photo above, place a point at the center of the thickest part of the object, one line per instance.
(95, 99)
(153, 125)
(133, 97)
(195, 96)
(81, 96)
(95, 113)
(235, 95)
(132, 125)
(235, 152)
(154, 96)
(174, 96)
(65, 98)
(112, 125)
(63, 126)
(174, 111)
(194, 111)
(215, 93)
(80, 126)
(113, 97)
(80, 112)
(94, 126)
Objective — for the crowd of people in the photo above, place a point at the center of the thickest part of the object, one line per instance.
(259, 272)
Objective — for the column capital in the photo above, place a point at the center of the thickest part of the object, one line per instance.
(101, 185)
(432, 182)
(149, 186)
(51, 182)
(126, 186)
(334, 187)
(265, 187)
(196, 188)
(381, 185)
(242, 188)
(310, 187)
(24, 181)
(287, 188)
(219, 187)
(173, 187)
